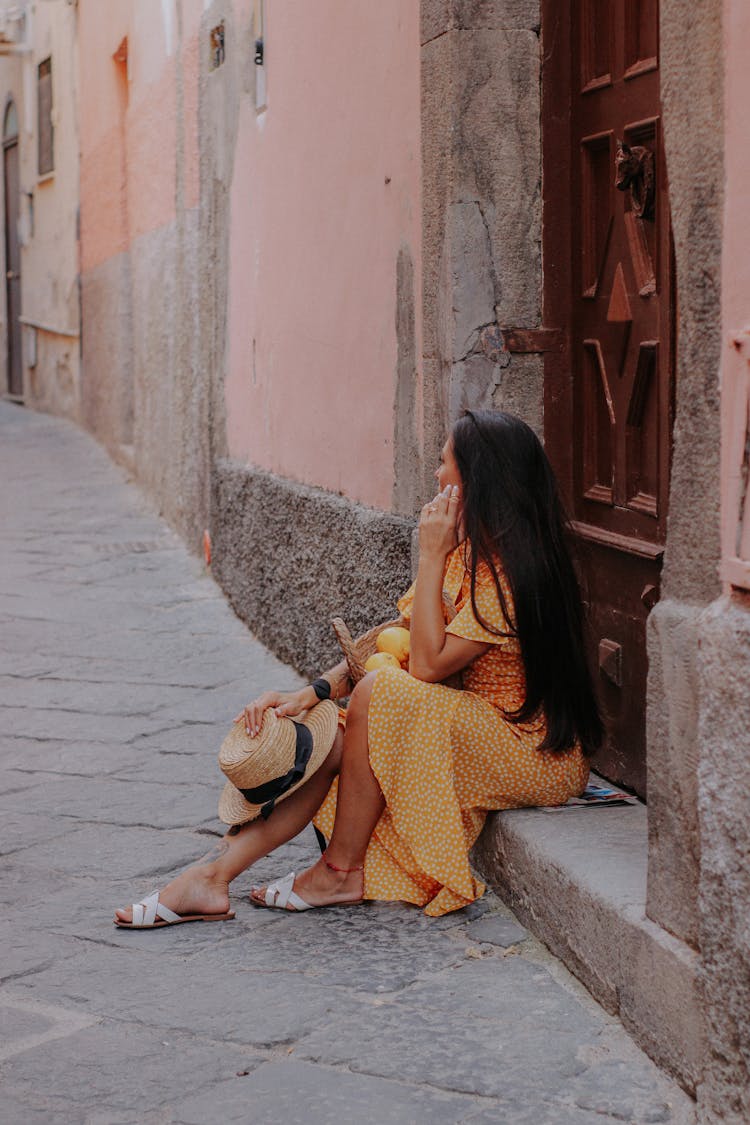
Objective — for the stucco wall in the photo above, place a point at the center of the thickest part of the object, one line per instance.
(324, 199)
(47, 213)
(148, 286)
(322, 385)
(248, 278)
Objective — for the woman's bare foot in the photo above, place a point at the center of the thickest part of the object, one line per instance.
(197, 890)
(320, 886)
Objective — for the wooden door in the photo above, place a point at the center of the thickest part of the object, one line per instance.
(12, 253)
(608, 266)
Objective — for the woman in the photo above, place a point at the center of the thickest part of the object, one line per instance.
(405, 790)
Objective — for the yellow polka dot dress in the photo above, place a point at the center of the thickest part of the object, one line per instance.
(444, 757)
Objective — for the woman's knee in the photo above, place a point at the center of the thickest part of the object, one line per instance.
(359, 701)
(332, 762)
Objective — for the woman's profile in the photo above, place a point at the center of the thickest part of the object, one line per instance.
(401, 787)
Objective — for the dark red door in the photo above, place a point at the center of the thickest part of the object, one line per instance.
(12, 253)
(609, 284)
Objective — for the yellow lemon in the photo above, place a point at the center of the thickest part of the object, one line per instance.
(381, 660)
(395, 639)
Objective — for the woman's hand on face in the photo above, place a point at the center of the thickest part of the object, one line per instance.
(438, 523)
(284, 703)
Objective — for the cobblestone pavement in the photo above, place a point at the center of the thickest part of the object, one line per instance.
(121, 666)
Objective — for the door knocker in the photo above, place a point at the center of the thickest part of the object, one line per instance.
(634, 169)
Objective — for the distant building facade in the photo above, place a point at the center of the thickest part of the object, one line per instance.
(40, 358)
(310, 235)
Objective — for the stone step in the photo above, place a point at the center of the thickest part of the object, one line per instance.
(577, 878)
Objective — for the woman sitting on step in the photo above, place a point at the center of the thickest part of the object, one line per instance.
(401, 787)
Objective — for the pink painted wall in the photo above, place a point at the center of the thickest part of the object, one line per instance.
(315, 235)
(128, 120)
(735, 392)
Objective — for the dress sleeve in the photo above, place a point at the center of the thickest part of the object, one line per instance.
(404, 604)
(465, 623)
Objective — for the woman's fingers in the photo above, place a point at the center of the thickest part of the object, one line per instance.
(253, 713)
(284, 703)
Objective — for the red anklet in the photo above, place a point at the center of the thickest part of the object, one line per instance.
(340, 870)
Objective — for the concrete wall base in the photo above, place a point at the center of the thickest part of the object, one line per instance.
(577, 879)
(291, 557)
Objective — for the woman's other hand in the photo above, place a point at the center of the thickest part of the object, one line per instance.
(284, 703)
(438, 524)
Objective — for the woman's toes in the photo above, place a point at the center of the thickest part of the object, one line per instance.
(124, 915)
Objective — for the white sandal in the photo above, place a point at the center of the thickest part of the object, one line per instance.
(146, 913)
(281, 896)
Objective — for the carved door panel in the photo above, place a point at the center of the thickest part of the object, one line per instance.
(609, 283)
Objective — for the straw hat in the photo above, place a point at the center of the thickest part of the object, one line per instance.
(267, 768)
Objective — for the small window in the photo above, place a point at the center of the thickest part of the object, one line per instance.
(10, 125)
(45, 129)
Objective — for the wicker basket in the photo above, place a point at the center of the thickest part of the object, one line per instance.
(358, 651)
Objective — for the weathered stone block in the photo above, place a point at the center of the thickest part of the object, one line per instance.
(436, 17)
(520, 390)
(496, 14)
(473, 384)
(673, 752)
(440, 16)
(439, 93)
(691, 55)
(472, 276)
(591, 914)
(498, 160)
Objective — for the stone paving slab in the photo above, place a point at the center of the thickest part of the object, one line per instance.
(121, 668)
(296, 1093)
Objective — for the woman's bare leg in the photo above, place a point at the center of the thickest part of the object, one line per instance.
(203, 888)
(358, 809)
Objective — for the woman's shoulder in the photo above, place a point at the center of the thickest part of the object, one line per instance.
(494, 606)
(488, 577)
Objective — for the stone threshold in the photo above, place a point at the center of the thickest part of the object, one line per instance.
(577, 879)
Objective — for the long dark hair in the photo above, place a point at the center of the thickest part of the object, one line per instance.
(513, 519)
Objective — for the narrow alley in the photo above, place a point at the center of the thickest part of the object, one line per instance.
(122, 666)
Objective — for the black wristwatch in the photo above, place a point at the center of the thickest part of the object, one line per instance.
(322, 688)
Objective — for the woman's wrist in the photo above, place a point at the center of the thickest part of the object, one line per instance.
(431, 566)
(322, 688)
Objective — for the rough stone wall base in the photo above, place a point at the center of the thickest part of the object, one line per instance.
(577, 879)
(290, 558)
